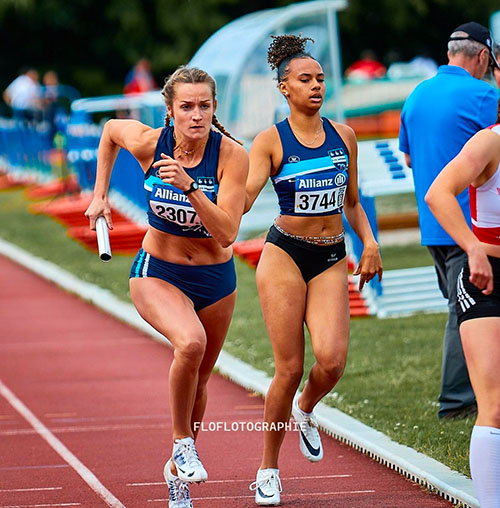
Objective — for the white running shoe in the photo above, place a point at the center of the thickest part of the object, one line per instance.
(186, 460)
(310, 440)
(267, 487)
(178, 491)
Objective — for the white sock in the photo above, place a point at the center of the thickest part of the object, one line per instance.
(485, 465)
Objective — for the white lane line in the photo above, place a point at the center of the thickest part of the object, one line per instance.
(322, 477)
(86, 428)
(298, 494)
(32, 489)
(90, 479)
(51, 505)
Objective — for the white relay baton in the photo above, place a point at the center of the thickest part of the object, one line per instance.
(103, 239)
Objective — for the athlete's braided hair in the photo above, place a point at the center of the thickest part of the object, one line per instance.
(283, 49)
(193, 75)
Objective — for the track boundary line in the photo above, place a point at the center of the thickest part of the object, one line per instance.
(414, 465)
(86, 474)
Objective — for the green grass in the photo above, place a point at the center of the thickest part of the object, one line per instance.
(392, 376)
(396, 203)
(396, 257)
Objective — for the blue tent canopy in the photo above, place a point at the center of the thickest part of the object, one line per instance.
(235, 56)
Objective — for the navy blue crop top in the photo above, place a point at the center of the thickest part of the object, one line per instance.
(311, 182)
(169, 210)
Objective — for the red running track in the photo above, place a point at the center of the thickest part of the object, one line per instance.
(84, 420)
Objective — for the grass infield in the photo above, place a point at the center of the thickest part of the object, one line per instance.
(392, 377)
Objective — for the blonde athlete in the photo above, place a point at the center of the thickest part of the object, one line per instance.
(183, 280)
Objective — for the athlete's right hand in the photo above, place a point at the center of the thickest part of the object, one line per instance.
(171, 171)
(481, 273)
(97, 208)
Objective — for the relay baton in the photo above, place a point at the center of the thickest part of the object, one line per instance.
(103, 239)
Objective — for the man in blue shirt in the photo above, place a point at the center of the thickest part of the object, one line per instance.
(437, 119)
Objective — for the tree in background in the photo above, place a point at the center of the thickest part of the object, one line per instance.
(92, 44)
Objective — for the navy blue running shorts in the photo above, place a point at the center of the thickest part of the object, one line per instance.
(202, 284)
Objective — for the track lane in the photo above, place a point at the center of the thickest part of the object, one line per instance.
(100, 387)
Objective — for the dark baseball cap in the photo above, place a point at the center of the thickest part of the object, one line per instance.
(478, 33)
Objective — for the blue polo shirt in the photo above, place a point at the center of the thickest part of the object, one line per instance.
(437, 119)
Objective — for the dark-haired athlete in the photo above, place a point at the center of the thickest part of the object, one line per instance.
(183, 280)
(302, 273)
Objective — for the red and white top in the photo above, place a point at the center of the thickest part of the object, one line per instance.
(485, 206)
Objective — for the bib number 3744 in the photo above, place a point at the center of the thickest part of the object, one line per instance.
(319, 201)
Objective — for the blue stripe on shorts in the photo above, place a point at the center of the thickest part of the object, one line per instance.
(203, 284)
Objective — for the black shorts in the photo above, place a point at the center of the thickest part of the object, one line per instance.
(310, 259)
(471, 302)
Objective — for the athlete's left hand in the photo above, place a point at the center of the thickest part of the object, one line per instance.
(370, 264)
(172, 172)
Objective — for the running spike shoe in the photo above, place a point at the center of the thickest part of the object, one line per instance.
(267, 487)
(309, 438)
(186, 460)
(178, 491)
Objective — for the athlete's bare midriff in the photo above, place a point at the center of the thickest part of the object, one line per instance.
(184, 250)
(329, 225)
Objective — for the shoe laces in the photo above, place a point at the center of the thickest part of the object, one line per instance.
(310, 421)
(179, 490)
(189, 454)
(271, 480)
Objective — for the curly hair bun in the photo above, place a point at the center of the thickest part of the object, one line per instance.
(285, 46)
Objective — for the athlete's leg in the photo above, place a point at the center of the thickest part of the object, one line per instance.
(171, 312)
(282, 293)
(215, 319)
(481, 343)
(327, 318)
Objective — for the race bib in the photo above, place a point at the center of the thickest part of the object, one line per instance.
(170, 203)
(322, 193)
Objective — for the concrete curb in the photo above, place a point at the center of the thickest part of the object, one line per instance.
(414, 465)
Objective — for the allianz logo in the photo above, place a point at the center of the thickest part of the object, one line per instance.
(294, 158)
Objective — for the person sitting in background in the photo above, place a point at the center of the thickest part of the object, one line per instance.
(139, 79)
(366, 68)
(23, 95)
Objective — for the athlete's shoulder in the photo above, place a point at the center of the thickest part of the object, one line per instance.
(267, 138)
(229, 148)
(346, 133)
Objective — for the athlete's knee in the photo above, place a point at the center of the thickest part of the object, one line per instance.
(191, 349)
(289, 376)
(333, 366)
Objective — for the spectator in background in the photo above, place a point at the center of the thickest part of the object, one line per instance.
(437, 119)
(366, 68)
(139, 79)
(50, 98)
(23, 95)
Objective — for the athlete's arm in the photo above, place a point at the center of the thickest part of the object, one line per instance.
(473, 165)
(370, 263)
(222, 220)
(260, 164)
(138, 139)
